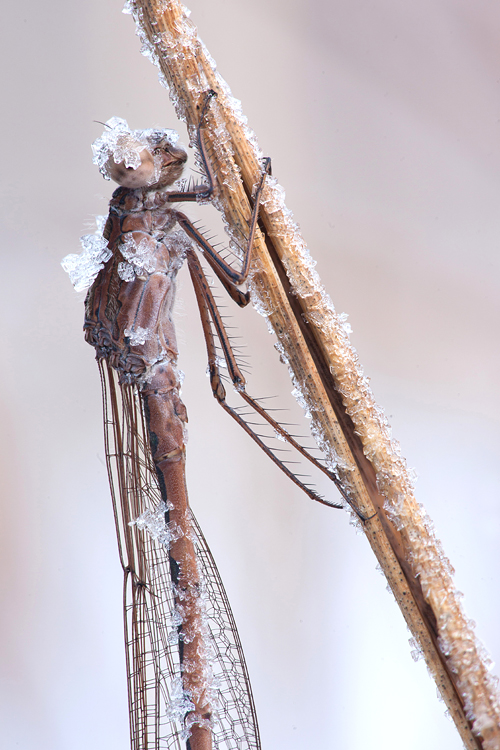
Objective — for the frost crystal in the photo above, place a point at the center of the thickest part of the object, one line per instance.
(137, 336)
(154, 523)
(178, 243)
(180, 702)
(345, 325)
(120, 144)
(140, 257)
(83, 268)
(416, 651)
(465, 656)
(126, 272)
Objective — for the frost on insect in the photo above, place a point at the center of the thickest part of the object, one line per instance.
(180, 702)
(137, 335)
(83, 268)
(153, 521)
(139, 257)
(119, 145)
(178, 243)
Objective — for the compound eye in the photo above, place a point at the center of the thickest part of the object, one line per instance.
(131, 177)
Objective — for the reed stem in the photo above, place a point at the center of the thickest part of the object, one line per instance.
(347, 423)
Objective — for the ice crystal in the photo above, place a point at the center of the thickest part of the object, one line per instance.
(137, 335)
(393, 479)
(153, 521)
(416, 651)
(178, 243)
(126, 272)
(180, 702)
(120, 144)
(84, 267)
(140, 255)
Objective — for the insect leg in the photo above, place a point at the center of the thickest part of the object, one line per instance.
(230, 278)
(201, 191)
(241, 298)
(208, 313)
(227, 275)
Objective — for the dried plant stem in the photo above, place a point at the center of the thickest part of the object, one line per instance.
(346, 421)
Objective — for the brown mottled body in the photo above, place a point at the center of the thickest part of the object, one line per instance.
(116, 312)
(129, 322)
(114, 306)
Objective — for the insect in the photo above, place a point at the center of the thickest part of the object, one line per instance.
(188, 681)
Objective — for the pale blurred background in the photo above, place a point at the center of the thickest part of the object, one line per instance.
(382, 120)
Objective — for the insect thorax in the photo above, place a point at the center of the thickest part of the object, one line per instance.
(128, 311)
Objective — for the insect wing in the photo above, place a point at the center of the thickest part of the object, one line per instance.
(156, 700)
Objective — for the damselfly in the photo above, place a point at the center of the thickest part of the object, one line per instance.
(187, 675)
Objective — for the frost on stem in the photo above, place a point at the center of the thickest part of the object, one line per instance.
(465, 656)
(84, 267)
(416, 650)
(176, 47)
(394, 480)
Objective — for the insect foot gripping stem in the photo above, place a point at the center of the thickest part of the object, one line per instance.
(211, 94)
